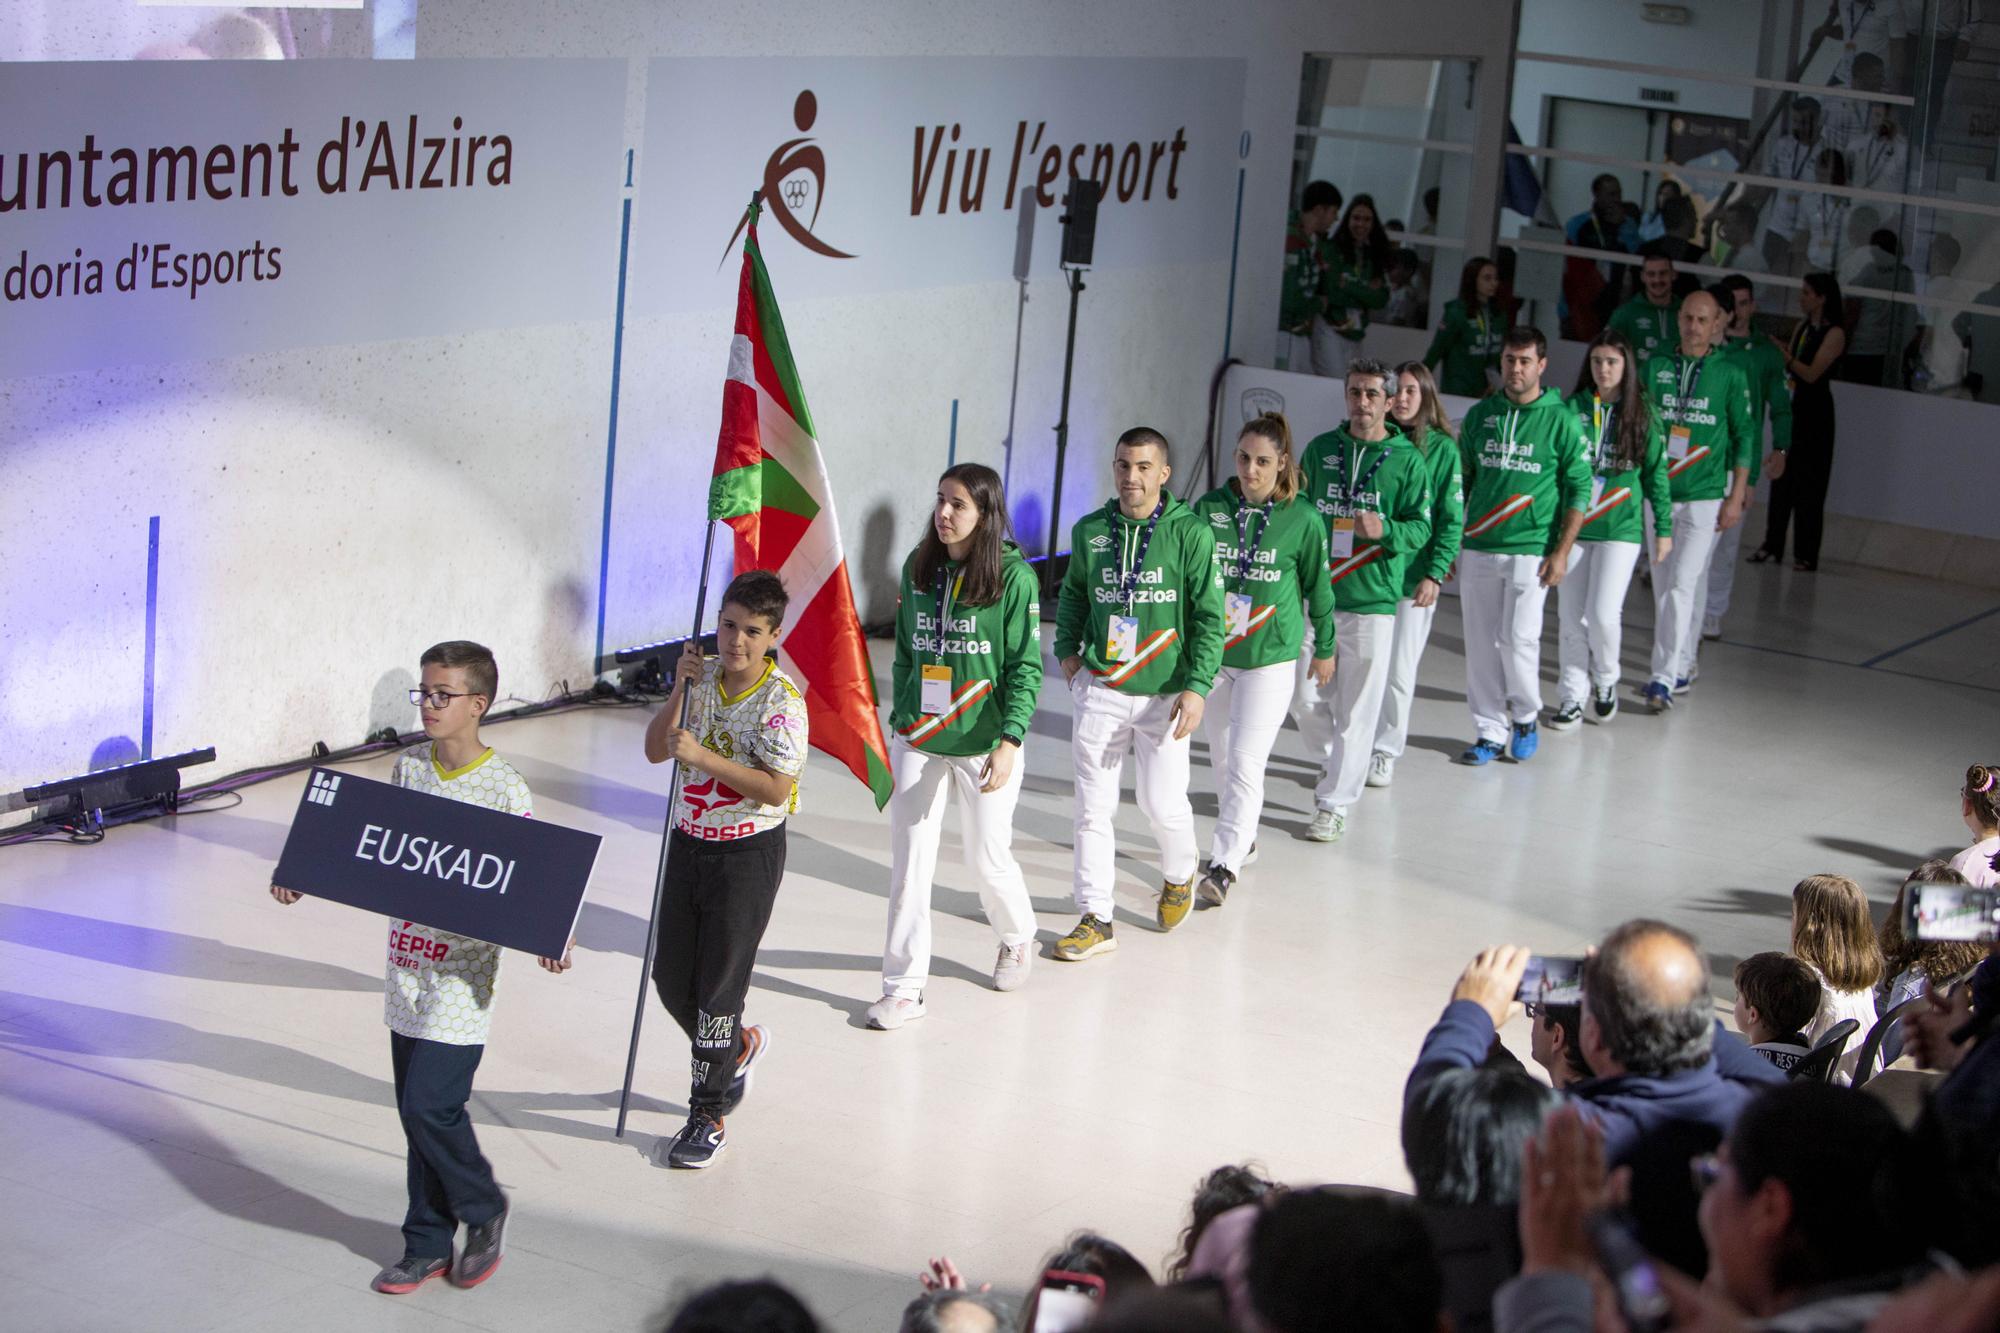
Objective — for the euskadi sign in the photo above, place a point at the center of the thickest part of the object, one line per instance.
(413, 856)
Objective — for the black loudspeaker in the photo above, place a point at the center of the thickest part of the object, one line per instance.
(1079, 224)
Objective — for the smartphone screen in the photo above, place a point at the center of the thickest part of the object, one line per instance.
(1953, 912)
(1551, 980)
(1067, 1301)
(1642, 1297)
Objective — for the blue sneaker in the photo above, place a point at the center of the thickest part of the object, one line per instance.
(1483, 751)
(1527, 739)
(1657, 696)
(1686, 683)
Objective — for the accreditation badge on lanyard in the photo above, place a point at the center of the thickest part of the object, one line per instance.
(1121, 640)
(1340, 535)
(1237, 606)
(1680, 435)
(934, 696)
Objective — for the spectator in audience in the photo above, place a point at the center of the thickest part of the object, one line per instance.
(1848, 120)
(1863, 221)
(1088, 1252)
(1462, 1142)
(1861, 27)
(1555, 1040)
(948, 1311)
(1941, 349)
(1593, 288)
(1649, 320)
(1812, 1211)
(1356, 255)
(759, 1306)
(1882, 324)
(1222, 1257)
(1961, 1122)
(1913, 968)
(1654, 224)
(1220, 1190)
(1880, 159)
(1776, 996)
(1979, 806)
(1303, 298)
(1833, 932)
(1678, 244)
(1789, 156)
(1167, 1310)
(1407, 298)
(1465, 350)
(1981, 335)
(1734, 248)
(1823, 217)
(1949, 41)
(1669, 1078)
(1343, 1258)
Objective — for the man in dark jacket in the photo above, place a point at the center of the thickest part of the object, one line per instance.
(1669, 1079)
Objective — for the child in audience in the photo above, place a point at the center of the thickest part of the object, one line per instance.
(1776, 997)
(1834, 933)
(1979, 805)
(1918, 967)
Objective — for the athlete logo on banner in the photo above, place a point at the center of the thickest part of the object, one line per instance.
(793, 174)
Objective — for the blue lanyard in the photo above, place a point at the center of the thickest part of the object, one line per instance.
(1128, 575)
(1246, 550)
(1352, 485)
(1689, 383)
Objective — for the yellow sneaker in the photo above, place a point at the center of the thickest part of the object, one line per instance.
(1175, 902)
(1091, 936)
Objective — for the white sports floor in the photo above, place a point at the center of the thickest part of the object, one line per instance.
(196, 1128)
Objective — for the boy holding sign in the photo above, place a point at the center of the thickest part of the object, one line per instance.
(744, 747)
(440, 995)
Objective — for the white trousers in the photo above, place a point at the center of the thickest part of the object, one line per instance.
(1677, 590)
(1106, 726)
(1590, 604)
(1722, 571)
(1501, 598)
(986, 827)
(1338, 720)
(1245, 712)
(1406, 650)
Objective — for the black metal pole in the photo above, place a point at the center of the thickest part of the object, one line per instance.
(666, 842)
(1062, 438)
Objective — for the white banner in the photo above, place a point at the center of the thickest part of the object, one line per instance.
(882, 174)
(162, 210)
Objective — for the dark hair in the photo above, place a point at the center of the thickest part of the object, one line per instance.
(1836, 163)
(1140, 436)
(1742, 208)
(1431, 197)
(1849, 1169)
(1784, 991)
(761, 593)
(475, 659)
(1724, 297)
(1220, 1190)
(1676, 212)
(1938, 960)
(759, 1306)
(1468, 282)
(1946, 247)
(1367, 367)
(1569, 1017)
(981, 586)
(1644, 1031)
(1806, 104)
(1650, 254)
(1196, 1308)
(1604, 178)
(1319, 194)
(1735, 282)
(1885, 240)
(1867, 58)
(1634, 427)
(1463, 1134)
(1405, 258)
(1088, 1252)
(923, 1315)
(1982, 790)
(1526, 335)
(1344, 1257)
(1827, 288)
(1378, 235)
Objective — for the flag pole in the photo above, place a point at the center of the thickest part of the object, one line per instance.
(673, 803)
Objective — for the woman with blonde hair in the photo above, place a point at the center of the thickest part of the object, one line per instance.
(1834, 933)
(1270, 549)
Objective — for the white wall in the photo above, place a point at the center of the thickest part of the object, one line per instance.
(328, 512)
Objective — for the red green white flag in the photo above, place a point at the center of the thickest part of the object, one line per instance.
(770, 486)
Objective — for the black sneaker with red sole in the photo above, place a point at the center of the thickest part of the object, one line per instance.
(407, 1274)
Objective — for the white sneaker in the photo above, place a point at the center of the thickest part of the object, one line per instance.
(1381, 770)
(1010, 969)
(1711, 627)
(892, 1011)
(1327, 826)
